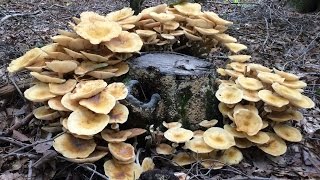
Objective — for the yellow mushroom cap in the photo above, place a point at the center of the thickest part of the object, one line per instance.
(63, 88)
(247, 121)
(72, 147)
(251, 96)
(290, 94)
(224, 109)
(178, 135)
(120, 14)
(243, 143)
(87, 66)
(216, 19)
(45, 113)
(30, 57)
(233, 73)
(280, 116)
(296, 115)
(183, 159)
(272, 99)
(164, 149)
(47, 77)
(192, 37)
(205, 31)
(147, 164)
(237, 66)
(232, 156)
(85, 122)
(198, 145)
(287, 133)
(69, 103)
(55, 103)
(92, 16)
(171, 124)
(125, 43)
(38, 93)
(62, 66)
(162, 17)
(229, 95)
(121, 151)
(93, 157)
(258, 67)
(218, 138)
(115, 136)
(145, 33)
(287, 76)
(135, 132)
(119, 114)
(225, 38)
(189, 9)
(208, 124)
(86, 89)
(260, 138)
(275, 146)
(233, 131)
(97, 32)
(116, 171)
(202, 23)
(221, 71)
(101, 103)
(269, 78)
(249, 83)
(235, 47)
(239, 58)
(304, 102)
(118, 90)
(294, 84)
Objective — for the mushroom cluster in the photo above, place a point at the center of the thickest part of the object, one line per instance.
(212, 146)
(74, 83)
(261, 104)
(184, 24)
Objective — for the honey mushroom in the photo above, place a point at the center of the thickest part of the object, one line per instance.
(72, 71)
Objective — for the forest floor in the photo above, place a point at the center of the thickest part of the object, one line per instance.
(276, 37)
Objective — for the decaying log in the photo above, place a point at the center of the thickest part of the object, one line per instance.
(185, 85)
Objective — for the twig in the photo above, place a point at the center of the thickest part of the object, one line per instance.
(27, 146)
(94, 171)
(17, 14)
(30, 170)
(267, 36)
(17, 87)
(12, 141)
(18, 124)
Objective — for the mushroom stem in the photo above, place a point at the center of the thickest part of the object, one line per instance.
(60, 75)
(115, 126)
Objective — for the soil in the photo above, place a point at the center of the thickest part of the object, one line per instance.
(276, 37)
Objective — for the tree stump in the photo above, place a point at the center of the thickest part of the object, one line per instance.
(185, 85)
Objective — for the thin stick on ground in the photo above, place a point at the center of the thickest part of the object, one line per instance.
(16, 15)
(30, 170)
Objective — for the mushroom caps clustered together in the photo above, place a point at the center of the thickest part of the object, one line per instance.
(244, 88)
(71, 76)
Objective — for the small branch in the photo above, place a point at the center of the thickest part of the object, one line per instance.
(267, 28)
(17, 88)
(27, 146)
(17, 14)
(18, 124)
(12, 141)
(30, 170)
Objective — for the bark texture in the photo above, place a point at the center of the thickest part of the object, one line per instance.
(185, 85)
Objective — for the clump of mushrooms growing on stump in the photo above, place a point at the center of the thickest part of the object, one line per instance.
(74, 82)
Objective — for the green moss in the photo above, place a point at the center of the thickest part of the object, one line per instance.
(182, 101)
(210, 105)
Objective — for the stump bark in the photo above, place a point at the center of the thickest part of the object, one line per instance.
(185, 85)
